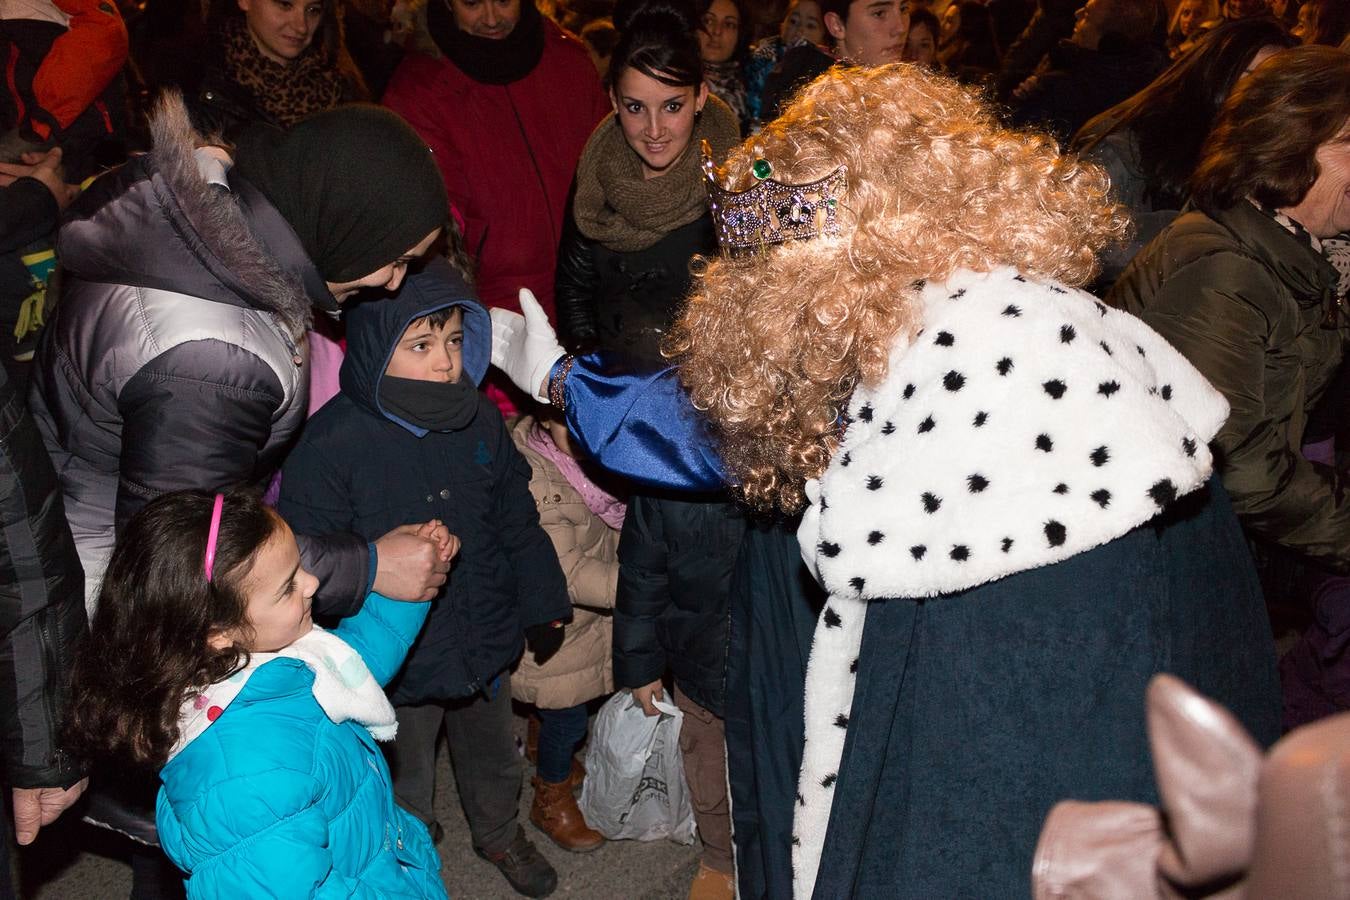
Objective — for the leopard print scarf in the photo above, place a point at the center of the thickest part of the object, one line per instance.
(286, 93)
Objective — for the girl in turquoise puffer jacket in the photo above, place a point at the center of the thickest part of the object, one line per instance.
(203, 659)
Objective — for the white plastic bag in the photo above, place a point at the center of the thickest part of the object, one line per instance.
(635, 787)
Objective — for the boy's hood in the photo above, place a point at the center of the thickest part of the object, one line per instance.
(375, 326)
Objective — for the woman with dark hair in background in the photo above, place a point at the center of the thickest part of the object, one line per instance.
(640, 215)
(1323, 22)
(1241, 286)
(1150, 144)
(803, 25)
(921, 43)
(275, 61)
(971, 55)
(724, 42)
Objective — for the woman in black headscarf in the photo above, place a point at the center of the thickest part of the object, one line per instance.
(176, 357)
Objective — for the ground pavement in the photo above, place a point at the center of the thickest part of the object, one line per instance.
(53, 869)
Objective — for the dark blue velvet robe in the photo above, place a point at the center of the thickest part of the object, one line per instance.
(973, 712)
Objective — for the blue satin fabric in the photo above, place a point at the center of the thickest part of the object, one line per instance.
(641, 426)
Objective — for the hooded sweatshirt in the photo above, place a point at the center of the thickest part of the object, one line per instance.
(360, 464)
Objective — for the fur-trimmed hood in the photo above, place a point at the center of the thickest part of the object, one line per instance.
(176, 219)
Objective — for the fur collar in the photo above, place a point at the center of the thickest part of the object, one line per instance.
(1025, 424)
(224, 246)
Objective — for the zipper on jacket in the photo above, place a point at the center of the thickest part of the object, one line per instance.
(286, 337)
(57, 760)
(538, 173)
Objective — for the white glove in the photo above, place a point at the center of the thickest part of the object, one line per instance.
(525, 347)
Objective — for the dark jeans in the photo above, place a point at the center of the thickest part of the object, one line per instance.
(560, 731)
(488, 769)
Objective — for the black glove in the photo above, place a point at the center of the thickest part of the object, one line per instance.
(544, 640)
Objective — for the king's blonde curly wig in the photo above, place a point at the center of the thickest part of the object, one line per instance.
(773, 342)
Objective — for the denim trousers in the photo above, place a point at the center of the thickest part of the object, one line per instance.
(560, 731)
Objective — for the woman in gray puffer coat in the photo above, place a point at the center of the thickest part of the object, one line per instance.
(176, 357)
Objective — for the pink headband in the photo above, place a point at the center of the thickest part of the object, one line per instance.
(212, 535)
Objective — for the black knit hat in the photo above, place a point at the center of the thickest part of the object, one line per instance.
(356, 183)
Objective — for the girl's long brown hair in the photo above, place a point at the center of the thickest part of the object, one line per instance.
(147, 647)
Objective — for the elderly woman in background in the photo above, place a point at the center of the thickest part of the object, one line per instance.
(1241, 286)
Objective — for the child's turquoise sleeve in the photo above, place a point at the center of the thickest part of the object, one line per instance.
(382, 632)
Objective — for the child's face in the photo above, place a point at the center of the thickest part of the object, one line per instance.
(562, 439)
(921, 46)
(279, 593)
(803, 21)
(428, 353)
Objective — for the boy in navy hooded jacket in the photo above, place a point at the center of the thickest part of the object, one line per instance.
(411, 435)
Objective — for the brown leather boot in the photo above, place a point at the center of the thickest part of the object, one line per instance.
(710, 884)
(555, 813)
(576, 776)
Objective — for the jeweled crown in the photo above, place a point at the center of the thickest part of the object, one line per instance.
(771, 212)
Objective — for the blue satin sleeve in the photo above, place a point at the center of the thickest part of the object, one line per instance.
(641, 426)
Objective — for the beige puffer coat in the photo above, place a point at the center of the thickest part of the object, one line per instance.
(588, 551)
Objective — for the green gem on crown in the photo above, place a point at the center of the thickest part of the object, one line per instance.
(761, 169)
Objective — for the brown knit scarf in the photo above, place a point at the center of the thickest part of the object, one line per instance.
(287, 93)
(616, 206)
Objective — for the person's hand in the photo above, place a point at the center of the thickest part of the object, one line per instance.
(36, 807)
(43, 167)
(646, 694)
(545, 639)
(408, 565)
(525, 347)
(447, 544)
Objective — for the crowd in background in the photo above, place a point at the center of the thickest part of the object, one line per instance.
(183, 185)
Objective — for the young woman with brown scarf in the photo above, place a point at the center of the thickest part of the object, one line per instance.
(639, 218)
(640, 211)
